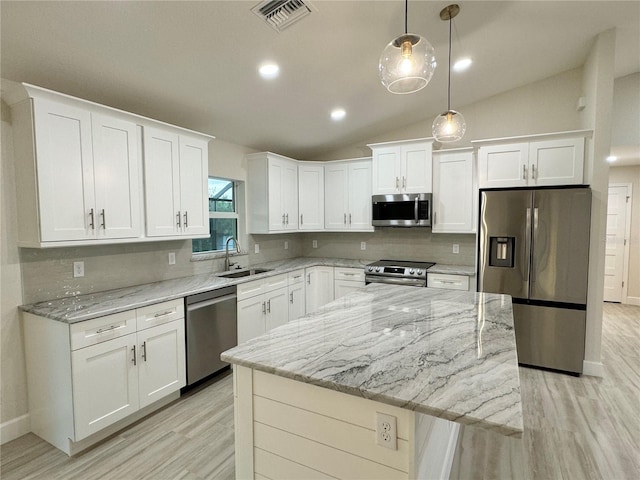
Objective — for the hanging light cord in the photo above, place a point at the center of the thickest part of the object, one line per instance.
(406, 14)
(449, 85)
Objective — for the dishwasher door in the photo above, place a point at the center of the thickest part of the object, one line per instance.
(211, 328)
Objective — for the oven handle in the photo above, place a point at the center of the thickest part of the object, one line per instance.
(410, 282)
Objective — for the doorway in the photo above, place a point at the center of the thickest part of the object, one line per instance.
(617, 242)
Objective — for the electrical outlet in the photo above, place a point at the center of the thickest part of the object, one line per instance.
(286, 244)
(256, 249)
(363, 245)
(315, 244)
(172, 258)
(456, 248)
(78, 269)
(386, 431)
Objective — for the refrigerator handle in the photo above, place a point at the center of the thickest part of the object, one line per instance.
(528, 247)
(535, 219)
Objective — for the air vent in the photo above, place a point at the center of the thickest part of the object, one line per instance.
(280, 14)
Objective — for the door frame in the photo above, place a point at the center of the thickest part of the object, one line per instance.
(627, 235)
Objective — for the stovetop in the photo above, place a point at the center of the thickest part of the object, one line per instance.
(398, 268)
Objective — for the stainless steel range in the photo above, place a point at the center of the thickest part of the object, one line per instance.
(399, 272)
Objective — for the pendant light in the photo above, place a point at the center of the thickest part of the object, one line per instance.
(450, 125)
(407, 62)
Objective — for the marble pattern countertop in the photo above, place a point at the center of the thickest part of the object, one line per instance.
(449, 354)
(92, 305)
(469, 271)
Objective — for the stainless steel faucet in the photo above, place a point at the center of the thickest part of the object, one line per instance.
(227, 265)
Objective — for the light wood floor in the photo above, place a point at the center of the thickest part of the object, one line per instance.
(575, 428)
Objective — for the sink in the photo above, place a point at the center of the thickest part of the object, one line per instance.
(243, 273)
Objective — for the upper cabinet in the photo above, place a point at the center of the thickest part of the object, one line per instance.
(272, 184)
(540, 160)
(176, 169)
(311, 195)
(402, 167)
(347, 193)
(79, 172)
(454, 191)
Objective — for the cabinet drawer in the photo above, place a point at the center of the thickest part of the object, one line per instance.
(249, 289)
(452, 282)
(159, 313)
(296, 277)
(101, 329)
(275, 282)
(349, 274)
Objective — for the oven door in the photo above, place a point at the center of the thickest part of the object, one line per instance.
(403, 210)
(409, 282)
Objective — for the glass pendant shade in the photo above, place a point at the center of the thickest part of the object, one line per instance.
(449, 127)
(407, 64)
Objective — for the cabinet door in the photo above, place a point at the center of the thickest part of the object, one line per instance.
(386, 170)
(251, 318)
(453, 193)
(311, 197)
(118, 188)
(336, 204)
(65, 171)
(275, 174)
(359, 193)
(277, 308)
(296, 301)
(556, 162)
(416, 168)
(319, 287)
(161, 361)
(290, 195)
(345, 287)
(105, 384)
(503, 165)
(162, 182)
(194, 190)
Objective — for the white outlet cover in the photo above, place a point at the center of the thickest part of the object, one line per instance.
(456, 248)
(78, 269)
(363, 245)
(256, 248)
(172, 258)
(286, 245)
(386, 431)
(315, 244)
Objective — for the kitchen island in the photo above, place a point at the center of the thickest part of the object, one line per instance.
(376, 385)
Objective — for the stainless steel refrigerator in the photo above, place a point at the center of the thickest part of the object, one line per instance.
(534, 246)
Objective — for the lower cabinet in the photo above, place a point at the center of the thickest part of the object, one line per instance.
(297, 294)
(262, 305)
(451, 281)
(85, 377)
(347, 280)
(319, 287)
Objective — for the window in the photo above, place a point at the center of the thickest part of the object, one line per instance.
(223, 216)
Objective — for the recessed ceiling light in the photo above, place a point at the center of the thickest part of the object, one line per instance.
(611, 158)
(269, 70)
(338, 114)
(462, 64)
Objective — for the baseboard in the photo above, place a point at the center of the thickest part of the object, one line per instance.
(592, 369)
(633, 300)
(14, 428)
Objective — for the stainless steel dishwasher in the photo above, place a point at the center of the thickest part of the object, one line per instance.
(211, 328)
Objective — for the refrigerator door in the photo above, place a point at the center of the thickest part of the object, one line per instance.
(560, 247)
(550, 337)
(504, 242)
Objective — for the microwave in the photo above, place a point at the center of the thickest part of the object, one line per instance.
(401, 210)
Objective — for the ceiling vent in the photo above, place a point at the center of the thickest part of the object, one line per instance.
(280, 14)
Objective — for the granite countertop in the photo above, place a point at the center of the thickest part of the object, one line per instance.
(85, 307)
(449, 354)
(453, 269)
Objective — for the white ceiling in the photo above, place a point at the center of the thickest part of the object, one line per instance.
(194, 63)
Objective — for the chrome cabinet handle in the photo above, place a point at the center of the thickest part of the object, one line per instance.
(287, 216)
(345, 218)
(91, 220)
(397, 183)
(134, 355)
(186, 220)
(349, 219)
(104, 219)
(268, 306)
(524, 172)
(179, 221)
(162, 314)
(291, 297)
(283, 218)
(264, 307)
(404, 182)
(144, 351)
(533, 172)
(108, 329)
(309, 278)
(301, 222)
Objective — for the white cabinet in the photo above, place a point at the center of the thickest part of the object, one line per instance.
(87, 376)
(347, 280)
(319, 287)
(272, 191)
(454, 192)
(176, 183)
(542, 160)
(262, 305)
(348, 195)
(402, 167)
(450, 281)
(79, 174)
(297, 294)
(311, 195)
